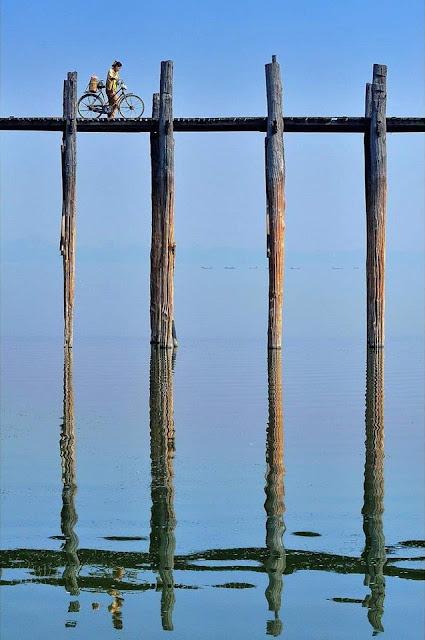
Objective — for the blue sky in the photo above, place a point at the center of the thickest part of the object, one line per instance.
(326, 51)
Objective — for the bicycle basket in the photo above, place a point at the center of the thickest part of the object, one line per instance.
(93, 84)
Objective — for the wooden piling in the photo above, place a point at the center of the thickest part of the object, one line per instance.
(156, 241)
(274, 505)
(374, 554)
(376, 204)
(275, 192)
(69, 201)
(163, 244)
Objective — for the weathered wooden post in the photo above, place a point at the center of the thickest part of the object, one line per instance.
(156, 238)
(163, 245)
(163, 522)
(376, 204)
(274, 505)
(69, 201)
(275, 191)
(374, 554)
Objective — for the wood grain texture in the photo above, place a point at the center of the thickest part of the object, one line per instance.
(69, 202)
(376, 206)
(275, 194)
(368, 110)
(156, 238)
(163, 244)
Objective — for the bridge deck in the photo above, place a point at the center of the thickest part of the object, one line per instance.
(291, 124)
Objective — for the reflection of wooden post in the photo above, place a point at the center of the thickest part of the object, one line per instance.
(376, 204)
(163, 522)
(163, 244)
(274, 504)
(373, 507)
(69, 201)
(115, 608)
(67, 453)
(275, 192)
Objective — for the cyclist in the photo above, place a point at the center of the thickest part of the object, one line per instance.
(112, 86)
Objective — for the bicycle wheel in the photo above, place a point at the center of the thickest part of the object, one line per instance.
(90, 106)
(131, 106)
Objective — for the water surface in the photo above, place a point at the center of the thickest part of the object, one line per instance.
(217, 494)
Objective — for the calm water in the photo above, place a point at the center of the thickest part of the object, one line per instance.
(217, 495)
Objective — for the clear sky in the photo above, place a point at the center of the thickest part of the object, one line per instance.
(326, 50)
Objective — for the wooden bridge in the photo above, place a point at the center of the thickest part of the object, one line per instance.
(342, 124)
(374, 126)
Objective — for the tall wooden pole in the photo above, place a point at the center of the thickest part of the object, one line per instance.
(275, 192)
(156, 238)
(163, 244)
(374, 554)
(163, 522)
(69, 201)
(274, 505)
(376, 205)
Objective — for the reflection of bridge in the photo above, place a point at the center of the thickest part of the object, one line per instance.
(45, 565)
(117, 572)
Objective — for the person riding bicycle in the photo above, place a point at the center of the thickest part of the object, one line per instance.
(94, 103)
(112, 86)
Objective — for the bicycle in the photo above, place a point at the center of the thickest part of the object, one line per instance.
(93, 104)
